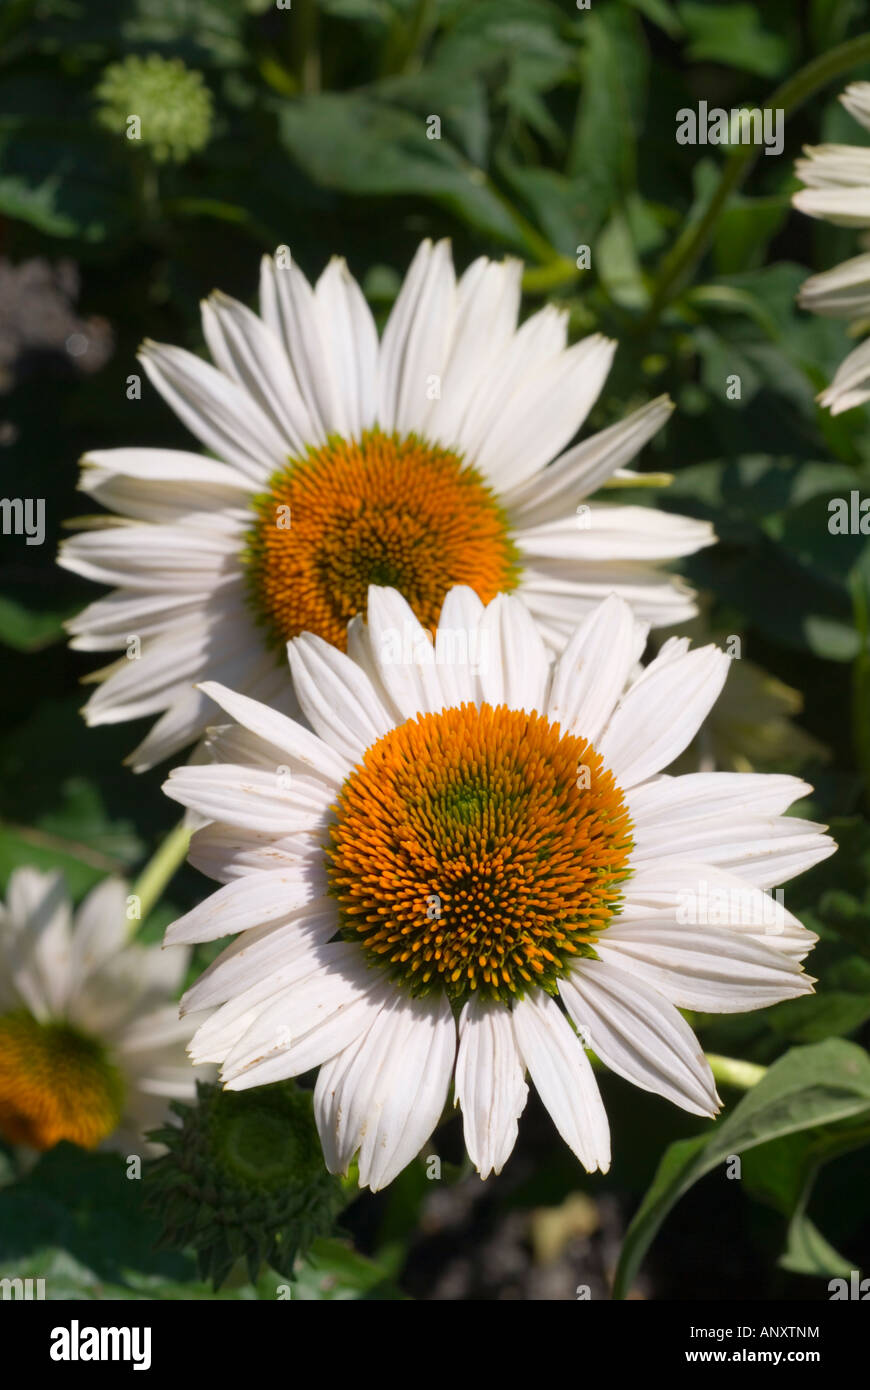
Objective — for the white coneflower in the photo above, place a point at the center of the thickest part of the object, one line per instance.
(91, 1047)
(470, 868)
(837, 189)
(428, 459)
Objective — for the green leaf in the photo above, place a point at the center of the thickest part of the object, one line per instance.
(602, 160)
(825, 1084)
(732, 35)
(618, 267)
(29, 631)
(355, 145)
(807, 1251)
(334, 1270)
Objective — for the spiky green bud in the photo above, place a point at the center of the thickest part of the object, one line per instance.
(158, 102)
(243, 1178)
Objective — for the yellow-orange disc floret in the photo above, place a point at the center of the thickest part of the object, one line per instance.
(478, 849)
(55, 1084)
(381, 510)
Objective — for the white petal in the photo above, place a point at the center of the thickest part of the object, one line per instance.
(490, 1085)
(414, 344)
(216, 410)
(711, 969)
(297, 742)
(458, 649)
(250, 354)
(661, 713)
(593, 670)
(677, 799)
(384, 1094)
(251, 797)
(313, 1020)
(248, 902)
(351, 339)
(514, 666)
(556, 491)
(288, 306)
(337, 697)
(639, 1034)
(563, 1078)
(547, 409)
(404, 654)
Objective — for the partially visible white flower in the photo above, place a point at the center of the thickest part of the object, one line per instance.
(837, 189)
(473, 869)
(91, 1047)
(435, 456)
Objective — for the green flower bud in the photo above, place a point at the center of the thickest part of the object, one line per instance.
(159, 102)
(243, 1178)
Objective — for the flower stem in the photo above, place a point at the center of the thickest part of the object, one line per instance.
(168, 857)
(731, 1071)
(861, 679)
(693, 241)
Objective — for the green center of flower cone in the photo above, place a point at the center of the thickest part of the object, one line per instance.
(55, 1083)
(478, 850)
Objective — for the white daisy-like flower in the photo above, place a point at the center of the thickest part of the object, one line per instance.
(837, 189)
(428, 459)
(469, 868)
(91, 1046)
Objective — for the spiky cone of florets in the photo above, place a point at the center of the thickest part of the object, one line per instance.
(243, 1178)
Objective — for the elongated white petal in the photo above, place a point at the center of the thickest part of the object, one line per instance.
(219, 412)
(639, 1034)
(592, 672)
(563, 1078)
(514, 670)
(248, 902)
(674, 800)
(661, 713)
(384, 1094)
(268, 952)
(707, 968)
(337, 697)
(490, 1085)
(351, 341)
(414, 344)
(296, 741)
(314, 1019)
(251, 355)
(251, 797)
(556, 491)
(404, 654)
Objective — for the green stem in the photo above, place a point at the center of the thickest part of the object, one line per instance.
(153, 879)
(861, 680)
(731, 1071)
(693, 241)
(402, 49)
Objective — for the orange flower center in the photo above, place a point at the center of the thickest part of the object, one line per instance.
(55, 1083)
(382, 510)
(478, 849)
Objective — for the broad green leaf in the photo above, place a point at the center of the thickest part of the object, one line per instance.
(807, 1251)
(732, 35)
(333, 1270)
(350, 143)
(602, 159)
(27, 630)
(825, 1084)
